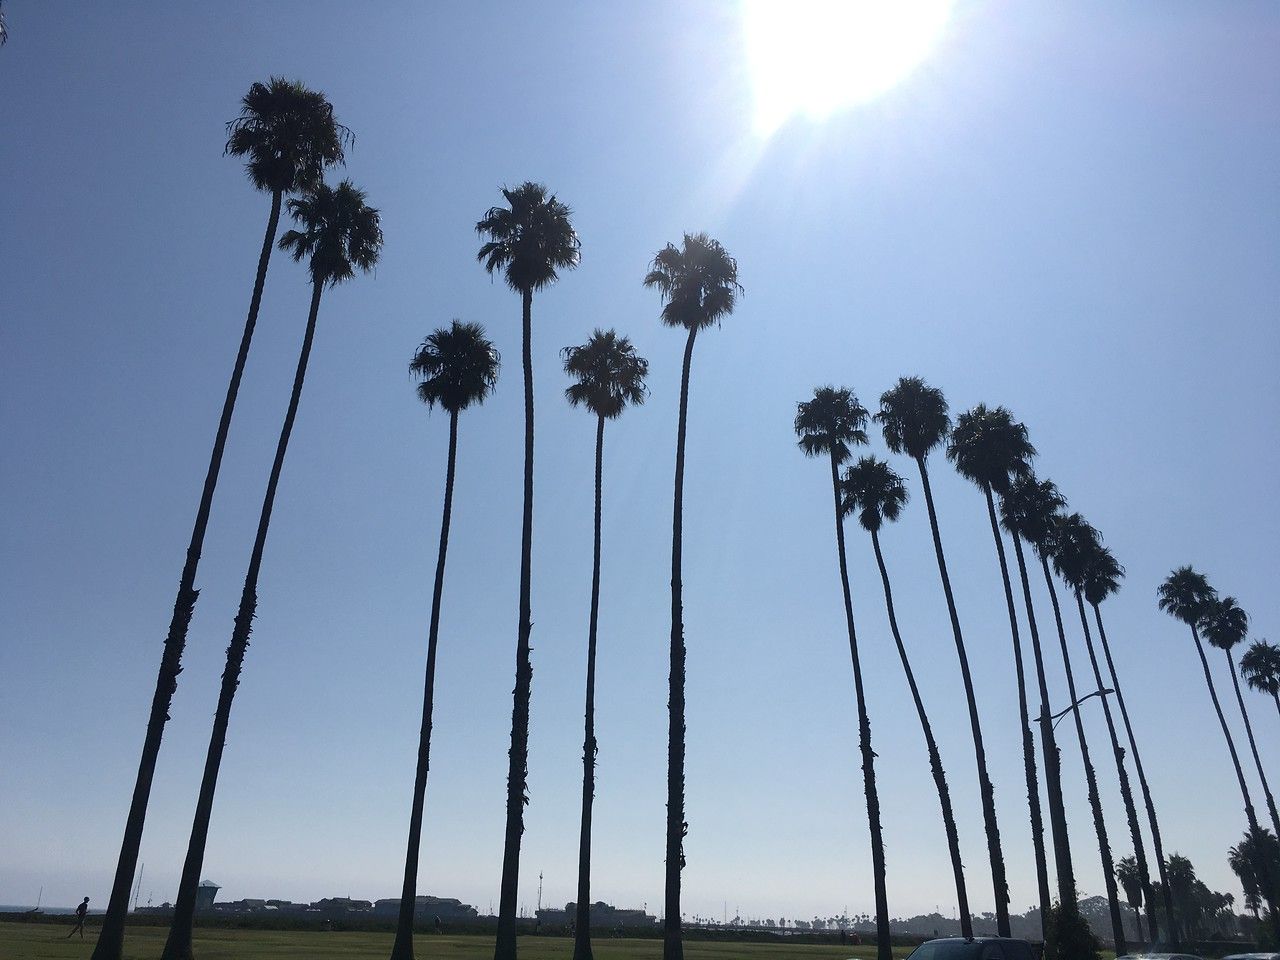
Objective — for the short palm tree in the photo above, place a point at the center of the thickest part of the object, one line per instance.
(914, 418)
(1225, 626)
(340, 235)
(827, 426)
(877, 494)
(1240, 859)
(1069, 543)
(608, 375)
(1027, 509)
(288, 137)
(1102, 578)
(990, 448)
(698, 282)
(530, 241)
(1260, 667)
(457, 368)
(1130, 878)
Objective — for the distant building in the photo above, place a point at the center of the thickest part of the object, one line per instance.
(428, 908)
(603, 916)
(205, 894)
(341, 906)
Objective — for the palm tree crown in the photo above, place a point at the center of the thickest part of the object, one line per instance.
(1224, 622)
(530, 239)
(288, 134)
(457, 366)
(875, 490)
(698, 281)
(1185, 594)
(1029, 507)
(830, 423)
(609, 374)
(1073, 543)
(1102, 575)
(989, 447)
(341, 233)
(1260, 666)
(914, 417)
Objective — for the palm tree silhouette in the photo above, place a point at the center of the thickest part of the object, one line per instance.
(698, 282)
(530, 240)
(990, 448)
(1130, 879)
(1102, 578)
(341, 234)
(288, 136)
(1241, 858)
(1069, 543)
(458, 368)
(877, 493)
(1027, 510)
(827, 425)
(1225, 625)
(1260, 667)
(608, 375)
(913, 416)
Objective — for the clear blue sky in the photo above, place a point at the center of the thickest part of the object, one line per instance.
(1070, 211)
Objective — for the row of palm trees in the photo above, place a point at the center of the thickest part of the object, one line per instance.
(991, 449)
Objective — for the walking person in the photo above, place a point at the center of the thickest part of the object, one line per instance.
(81, 911)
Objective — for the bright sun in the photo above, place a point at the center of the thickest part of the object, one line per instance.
(812, 57)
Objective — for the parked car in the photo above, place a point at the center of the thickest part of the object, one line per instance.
(1159, 956)
(979, 948)
(1253, 956)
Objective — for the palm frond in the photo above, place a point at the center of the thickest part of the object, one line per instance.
(530, 240)
(913, 417)
(609, 374)
(873, 489)
(1185, 594)
(288, 135)
(457, 366)
(340, 232)
(830, 423)
(698, 282)
(1224, 623)
(989, 447)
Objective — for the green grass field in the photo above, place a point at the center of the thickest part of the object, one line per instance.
(30, 941)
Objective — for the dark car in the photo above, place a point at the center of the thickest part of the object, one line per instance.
(979, 948)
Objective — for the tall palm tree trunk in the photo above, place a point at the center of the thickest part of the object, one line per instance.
(994, 852)
(935, 758)
(1171, 929)
(1126, 789)
(582, 922)
(518, 767)
(1067, 897)
(672, 944)
(178, 944)
(402, 948)
(1024, 724)
(884, 948)
(1253, 745)
(111, 937)
(1095, 801)
(1226, 732)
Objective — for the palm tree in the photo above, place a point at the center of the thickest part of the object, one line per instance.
(608, 375)
(530, 240)
(1225, 626)
(288, 136)
(1260, 667)
(913, 416)
(1131, 881)
(1241, 860)
(1068, 544)
(1027, 509)
(877, 493)
(698, 282)
(1102, 578)
(827, 425)
(457, 367)
(341, 234)
(990, 448)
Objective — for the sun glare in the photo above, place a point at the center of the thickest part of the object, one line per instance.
(813, 57)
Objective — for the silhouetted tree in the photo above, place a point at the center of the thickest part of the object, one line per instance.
(913, 416)
(1102, 578)
(990, 448)
(1069, 541)
(698, 282)
(457, 367)
(289, 137)
(341, 234)
(529, 241)
(1255, 856)
(1260, 667)
(827, 426)
(608, 375)
(1225, 626)
(1130, 878)
(872, 489)
(1027, 509)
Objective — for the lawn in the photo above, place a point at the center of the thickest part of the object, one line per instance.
(29, 941)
